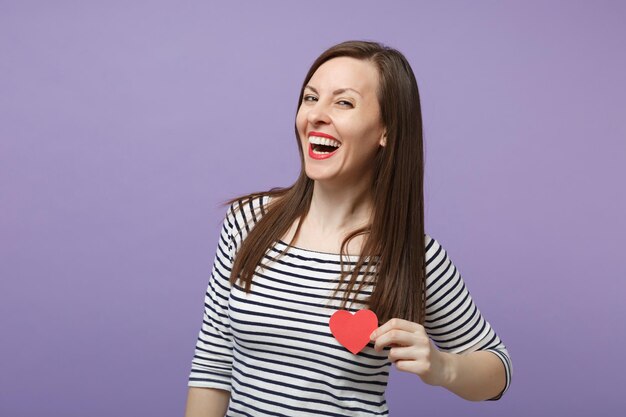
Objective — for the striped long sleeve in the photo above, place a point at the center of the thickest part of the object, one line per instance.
(453, 321)
(213, 356)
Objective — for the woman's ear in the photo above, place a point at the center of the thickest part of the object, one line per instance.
(383, 140)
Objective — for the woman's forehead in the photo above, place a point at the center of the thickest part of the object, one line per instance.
(345, 73)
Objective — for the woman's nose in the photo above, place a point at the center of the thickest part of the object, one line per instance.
(318, 114)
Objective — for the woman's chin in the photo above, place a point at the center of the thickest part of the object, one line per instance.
(319, 175)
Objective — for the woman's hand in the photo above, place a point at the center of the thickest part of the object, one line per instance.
(412, 351)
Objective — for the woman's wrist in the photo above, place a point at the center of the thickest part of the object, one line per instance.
(450, 369)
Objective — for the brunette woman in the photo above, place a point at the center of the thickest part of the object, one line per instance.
(347, 235)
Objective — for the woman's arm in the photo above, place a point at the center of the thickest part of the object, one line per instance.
(475, 376)
(206, 402)
(211, 367)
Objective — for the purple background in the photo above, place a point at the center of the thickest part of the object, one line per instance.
(123, 125)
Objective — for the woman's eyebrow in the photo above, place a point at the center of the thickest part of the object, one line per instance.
(338, 91)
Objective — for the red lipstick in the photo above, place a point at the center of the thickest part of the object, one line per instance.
(322, 135)
(320, 156)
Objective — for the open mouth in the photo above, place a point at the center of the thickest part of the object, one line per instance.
(323, 149)
(322, 145)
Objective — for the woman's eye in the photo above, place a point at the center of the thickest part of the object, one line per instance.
(311, 98)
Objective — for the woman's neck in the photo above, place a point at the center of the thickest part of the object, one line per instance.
(333, 211)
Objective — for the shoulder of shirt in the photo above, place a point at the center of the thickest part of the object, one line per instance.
(435, 254)
(244, 213)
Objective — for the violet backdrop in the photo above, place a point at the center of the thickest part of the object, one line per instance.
(124, 124)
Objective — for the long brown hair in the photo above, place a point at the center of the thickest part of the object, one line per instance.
(394, 240)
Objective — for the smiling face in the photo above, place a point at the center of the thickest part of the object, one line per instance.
(340, 104)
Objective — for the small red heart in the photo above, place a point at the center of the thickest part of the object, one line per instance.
(353, 331)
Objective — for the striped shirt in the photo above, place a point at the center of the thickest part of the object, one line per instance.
(273, 349)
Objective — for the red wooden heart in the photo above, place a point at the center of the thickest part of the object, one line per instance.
(353, 331)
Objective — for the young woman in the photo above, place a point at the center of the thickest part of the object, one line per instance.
(347, 235)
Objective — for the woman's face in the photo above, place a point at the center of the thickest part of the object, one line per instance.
(340, 103)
